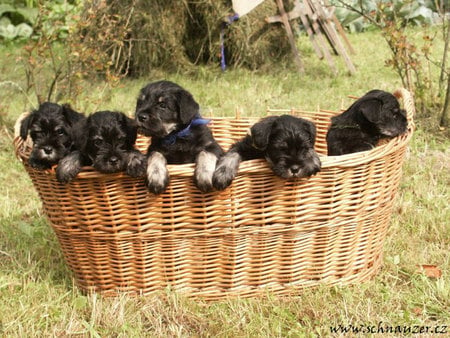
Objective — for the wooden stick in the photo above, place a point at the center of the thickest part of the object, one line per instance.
(310, 33)
(332, 35)
(319, 35)
(341, 30)
(290, 35)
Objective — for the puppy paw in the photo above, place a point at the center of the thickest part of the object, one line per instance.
(203, 183)
(204, 170)
(137, 165)
(222, 178)
(226, 171)
(157, 178)
(68, 168)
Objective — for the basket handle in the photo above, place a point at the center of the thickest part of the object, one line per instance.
(408, 104)
(18, 142)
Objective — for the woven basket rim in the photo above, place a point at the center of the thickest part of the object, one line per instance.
(258, 165)
(261, 234)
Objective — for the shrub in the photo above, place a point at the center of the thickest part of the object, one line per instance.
(410, 59)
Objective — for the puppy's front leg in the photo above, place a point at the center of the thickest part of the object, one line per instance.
(136, 164)
(226, 170)
(205, 165)
(69, 167)
(157, 173)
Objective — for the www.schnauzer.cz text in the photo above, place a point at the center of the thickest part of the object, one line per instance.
(386, 328)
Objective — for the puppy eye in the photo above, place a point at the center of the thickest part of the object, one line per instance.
(98, 142)
(60, 131)
(162, 105)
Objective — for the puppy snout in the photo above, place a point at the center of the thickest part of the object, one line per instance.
(142, 117)
(48, 150)
(294, 169)
(113, 160)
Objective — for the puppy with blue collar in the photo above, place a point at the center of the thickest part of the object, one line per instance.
(170, 116)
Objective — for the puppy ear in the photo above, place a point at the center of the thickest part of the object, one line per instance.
(311, 129)
(130, 128)
(260, 132)
(188, 106)
(70, 115)
(25, 125)
(141, 99)
(371, 109)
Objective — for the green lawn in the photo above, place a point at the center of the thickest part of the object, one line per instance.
(38, 296)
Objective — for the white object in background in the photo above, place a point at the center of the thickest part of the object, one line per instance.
(242, 7)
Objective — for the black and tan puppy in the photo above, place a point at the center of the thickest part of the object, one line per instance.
(374, 116)
(286, 142)
(51, 129)
(170, 115)
(106, 141)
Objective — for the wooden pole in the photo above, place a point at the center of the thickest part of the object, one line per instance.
(310, 33)
(332, 34)
(319, 35)
(290, 35)
(340, 29)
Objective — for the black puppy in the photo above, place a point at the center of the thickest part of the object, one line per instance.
(106, 141)
(170, 115)
(286, 142)
(51, 130)
(374, 116)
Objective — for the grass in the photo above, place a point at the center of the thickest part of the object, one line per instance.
(37, 294)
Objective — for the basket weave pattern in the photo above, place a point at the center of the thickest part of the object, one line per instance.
(263, 233)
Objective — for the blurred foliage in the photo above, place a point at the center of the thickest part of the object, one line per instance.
(22, 20)
(16, 22)
(418, 12)
(56, 59)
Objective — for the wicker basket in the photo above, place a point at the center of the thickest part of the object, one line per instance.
(261, 234)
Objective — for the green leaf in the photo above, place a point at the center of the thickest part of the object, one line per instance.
(29, 14)
(80, 303)
(5, 8)
(24, 30)
(4, 21)
(25, 228)
(8, 32)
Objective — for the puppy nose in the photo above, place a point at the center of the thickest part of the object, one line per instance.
(113, 160)
(48, 150)
(295, 169)
(142, 117)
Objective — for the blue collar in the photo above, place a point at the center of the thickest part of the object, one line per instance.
(172, 137)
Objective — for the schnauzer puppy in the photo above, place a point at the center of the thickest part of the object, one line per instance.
(286, 142)
(106, 141)
(374, 116)
(170, 115)
(51, 130)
